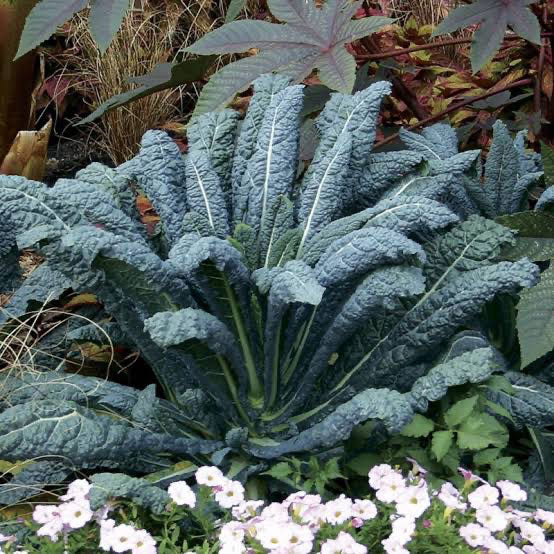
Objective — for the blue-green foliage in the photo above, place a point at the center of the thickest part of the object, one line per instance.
(277, 310)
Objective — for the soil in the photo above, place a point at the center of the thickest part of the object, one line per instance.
(67, 156)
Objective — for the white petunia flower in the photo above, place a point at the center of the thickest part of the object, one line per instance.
(231, 493)
(121, 537)
(531, 532)
(78, 489)
(402, 530)
(44, 514)
(413, 501)
(273, 535)
(496, 546)
(450, 497)
(143, 543)
(364, 509)
(308, 507)
(314, 516)
(492, 517)
(511, 491)
(210, 476)
(528, 549)
(474, 534)
(275, 512)
(393, 546)
(343, 544)
(182, 494)
(544, 547)
(376, 473)
(106, 528)
(544, 515)
(231, 547)
(390, 487)
(483, 496)
(51, 529)
(302, 499)
(300, 540)
(75, 514)
(232, 531)
(339, 510)
(246, 510)
(102, 513)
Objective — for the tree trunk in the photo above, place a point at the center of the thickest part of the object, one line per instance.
(16, 78)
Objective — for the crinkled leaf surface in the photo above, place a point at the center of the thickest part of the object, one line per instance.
(32, 480)
(531, 402)
(85, 439)
(108, 486)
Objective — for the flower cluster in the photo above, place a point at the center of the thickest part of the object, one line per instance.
(291, 526)
(480, 515)
(496, 519)
(410, 498)
(75, 512)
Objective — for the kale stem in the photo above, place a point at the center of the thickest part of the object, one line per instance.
(255, 385)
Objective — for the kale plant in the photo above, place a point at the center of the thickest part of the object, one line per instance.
(279, 306)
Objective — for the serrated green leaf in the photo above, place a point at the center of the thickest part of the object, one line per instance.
(314, 40)
(459, 411)
(279, 471)
(363, 463)
(486, 457)
(504, 468)
(535, 235)
(420, 426)
(494, 16)
(44, 19)
(441, 443)
(498, 409)
(331, 470)
(234, 9)
(480, 431)
(535, 319)
(500, 383)
(105, 20)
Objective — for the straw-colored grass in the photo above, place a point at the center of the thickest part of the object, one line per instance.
(149, 35)
(425, 12)
(153, 32)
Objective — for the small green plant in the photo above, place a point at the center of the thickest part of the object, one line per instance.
(463, 429)
(311, 475)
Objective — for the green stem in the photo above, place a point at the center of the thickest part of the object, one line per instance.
(292, 367)
(275, 373)
(256, 389)
(227, 373)
(255, 488)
